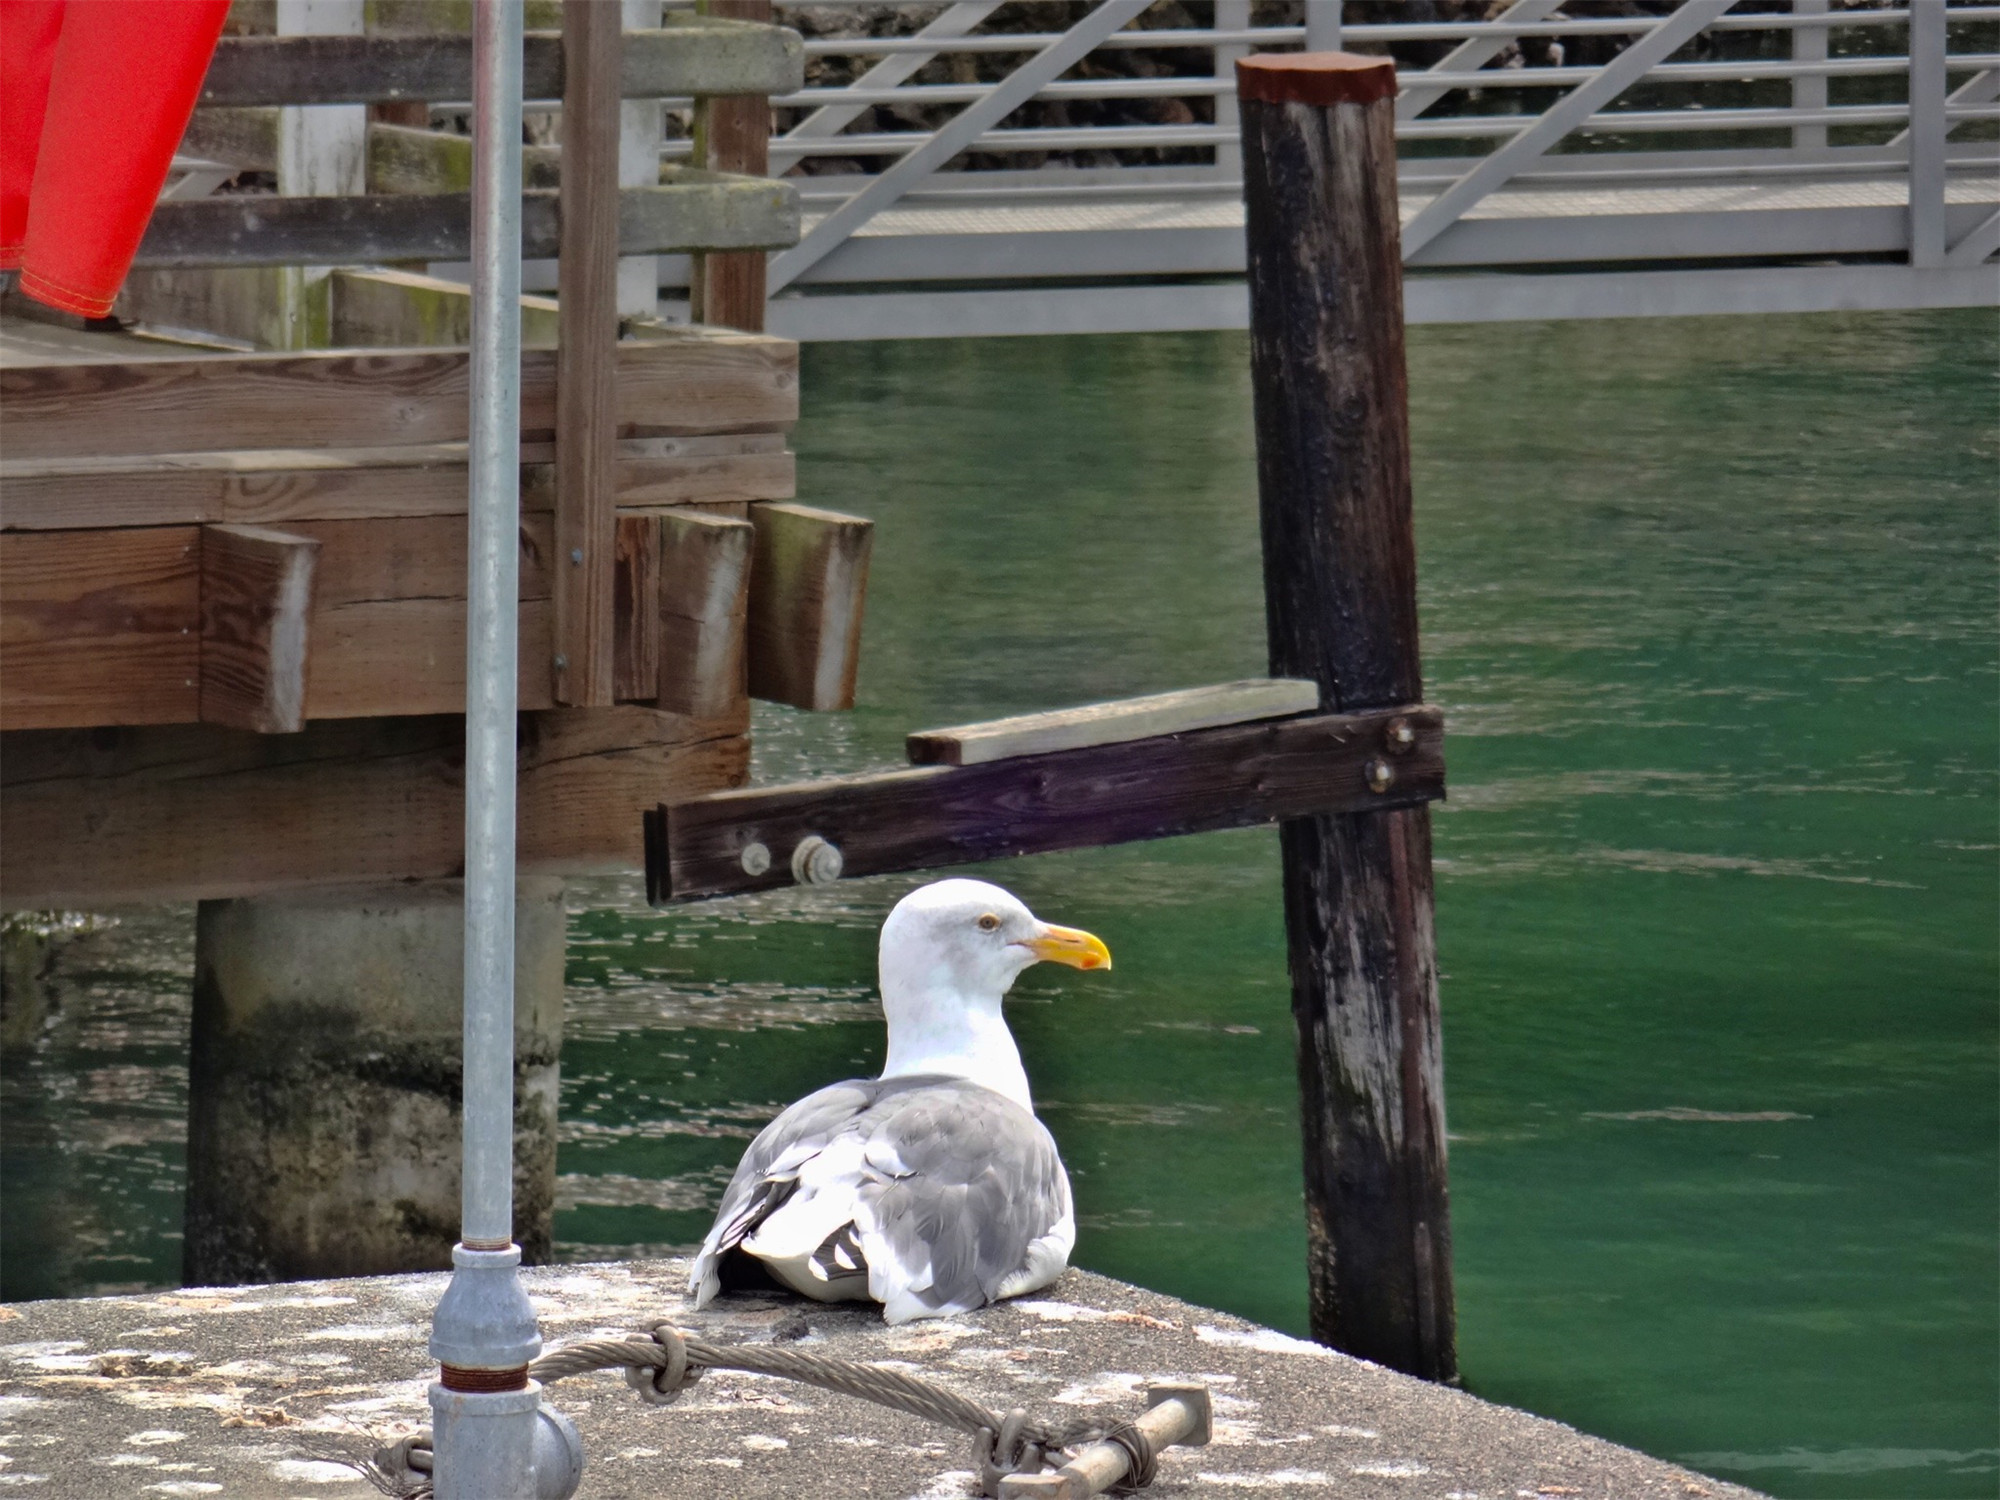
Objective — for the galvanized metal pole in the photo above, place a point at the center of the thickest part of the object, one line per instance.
(485, 1410)
(493, 595)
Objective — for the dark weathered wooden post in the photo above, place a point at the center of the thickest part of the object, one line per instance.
(1333, 471)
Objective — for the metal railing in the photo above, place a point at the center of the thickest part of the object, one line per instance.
(1861, 92)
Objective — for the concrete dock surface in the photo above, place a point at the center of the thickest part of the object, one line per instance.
(262, 1391)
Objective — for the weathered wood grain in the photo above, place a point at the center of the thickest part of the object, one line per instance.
(246, 139)
(1205, 779)
(90, 818)
(269, 487)
(373, 309)
(100, 628)
(1333, 467)
(256, 607)
(688, 210)
(808, 586)
(1108, 723)
(636, 650)
(415, 557)
(733, 134)
(705, 565)
(105, 628)
(417, 159)
(689, 381)
(586, 360)
(384, 657)
(685, 55)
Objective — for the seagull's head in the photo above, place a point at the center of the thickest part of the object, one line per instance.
(973, 939)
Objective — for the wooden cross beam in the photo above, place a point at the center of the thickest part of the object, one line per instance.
(1194, 781)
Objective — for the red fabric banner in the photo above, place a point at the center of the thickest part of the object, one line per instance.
(94, 98)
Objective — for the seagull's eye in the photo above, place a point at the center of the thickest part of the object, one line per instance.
(989, 923)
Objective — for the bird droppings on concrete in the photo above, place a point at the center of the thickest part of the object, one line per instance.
(265, 1393)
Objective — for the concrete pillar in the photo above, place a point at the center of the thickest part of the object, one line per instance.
(325, 1075)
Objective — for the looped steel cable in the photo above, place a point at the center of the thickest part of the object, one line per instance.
(1143, 1459)
(661, 1366)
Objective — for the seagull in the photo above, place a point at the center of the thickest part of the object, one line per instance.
(933, 1189)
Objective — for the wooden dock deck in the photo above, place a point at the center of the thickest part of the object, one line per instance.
(153, 497)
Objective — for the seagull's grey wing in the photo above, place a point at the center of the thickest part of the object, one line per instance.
(768, 1173)
(968, 1182)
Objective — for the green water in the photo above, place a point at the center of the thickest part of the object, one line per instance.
(1711, 607)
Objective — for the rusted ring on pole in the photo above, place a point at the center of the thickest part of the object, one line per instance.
(475, 1381)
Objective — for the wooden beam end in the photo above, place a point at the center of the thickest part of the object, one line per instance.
(256, 604)
(808, 588)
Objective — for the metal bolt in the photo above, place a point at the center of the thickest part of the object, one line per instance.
(816, 861)
(756, 858)
(562, 663)
(1400, 736)
(576, 556)
(1381, 775)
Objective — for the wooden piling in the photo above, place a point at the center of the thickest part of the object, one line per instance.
(587, 360)
(733, 134)
(1333, 468)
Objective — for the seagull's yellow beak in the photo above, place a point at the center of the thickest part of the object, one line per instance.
(1070, 945)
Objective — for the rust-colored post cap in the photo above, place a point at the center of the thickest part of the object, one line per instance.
(1315, 78)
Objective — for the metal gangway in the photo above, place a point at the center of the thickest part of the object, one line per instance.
(1714, 158)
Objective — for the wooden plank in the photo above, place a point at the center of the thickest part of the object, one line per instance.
(401, 309)
(586, 368)
(688, 210)
(100, 627)
(636, 651)
(415, 557)
(90, 818)
(1107, 723)
(808, 584)
(733, 134)
(417, 159)
(389, 631)
(685, 55)
(104, 628)
(270, 487)
(256, 603)
(706, 471)
(385, 657)
(1330, 386)
(1232, 777)
(705, 566)
(244, 138)
(689, 381)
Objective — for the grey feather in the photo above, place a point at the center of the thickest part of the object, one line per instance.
(959, 1176)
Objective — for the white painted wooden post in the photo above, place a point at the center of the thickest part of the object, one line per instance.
(322, 152)
(1809, 89)
(640, 128)
(1323, 25)
(1230, 15)
(1928, 127)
